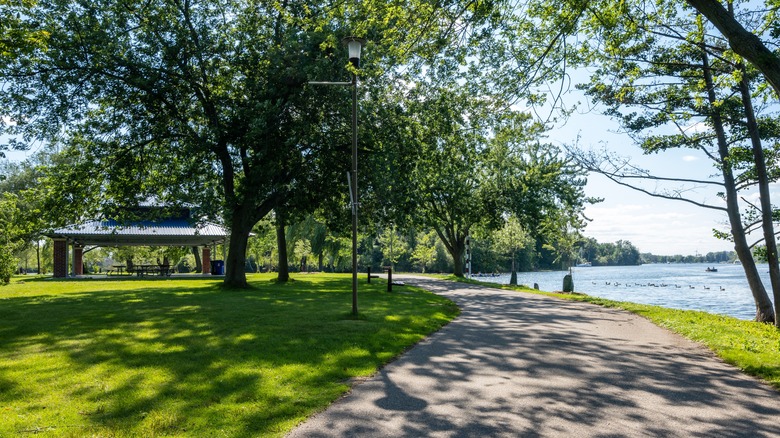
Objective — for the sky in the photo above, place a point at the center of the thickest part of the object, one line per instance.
(658, 226)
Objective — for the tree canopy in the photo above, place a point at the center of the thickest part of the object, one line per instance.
(203, 100)
(207, 102)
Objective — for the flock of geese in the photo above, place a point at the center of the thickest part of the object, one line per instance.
(617, 284)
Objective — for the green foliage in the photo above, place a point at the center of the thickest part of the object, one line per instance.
(262, 245)
(620, 253)
(480, 163)
(393, 246)
(511, 238)
(424, 253)
(449, 176)
(7, 264)
(180, 357)
(205, 103)
(10, 235)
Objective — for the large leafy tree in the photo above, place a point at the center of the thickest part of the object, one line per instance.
(202, 100)
(482, 162)
(660, 76)
(26, 188)
(449, 176)
(187, 100)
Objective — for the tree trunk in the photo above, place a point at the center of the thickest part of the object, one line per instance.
(742, 42)
(283, 273)
(513, 277)
(235, 273)
(198, 264)
(764, 312)
(455, 243)
(321, 260)
(457, 257)
(38, 255)
(763, 187)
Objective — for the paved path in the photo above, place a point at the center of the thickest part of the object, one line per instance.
(521, 365)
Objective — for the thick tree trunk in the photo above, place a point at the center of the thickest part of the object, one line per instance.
(763, 187)
(742, 42)
(764, 312)
(235, 273)
(198, 264)
(457, 257)
(455, 243)
(283, 273)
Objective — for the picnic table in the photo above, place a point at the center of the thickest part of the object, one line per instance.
(142, 270)
(118, 269)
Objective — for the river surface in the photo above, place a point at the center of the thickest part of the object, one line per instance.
(679, 286)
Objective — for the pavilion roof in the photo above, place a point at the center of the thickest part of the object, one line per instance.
(165, 232)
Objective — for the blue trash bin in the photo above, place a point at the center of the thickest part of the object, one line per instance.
(217, 267)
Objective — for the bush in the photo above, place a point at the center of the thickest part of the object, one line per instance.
(184, 266)
(7, 264)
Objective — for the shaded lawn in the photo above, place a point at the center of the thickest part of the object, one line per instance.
(750, 346)
(188, 358)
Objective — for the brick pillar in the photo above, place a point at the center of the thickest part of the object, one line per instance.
(60, 258)
(206, 260)
(78, 260)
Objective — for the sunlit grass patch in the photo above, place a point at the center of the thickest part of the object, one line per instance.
(189, 358)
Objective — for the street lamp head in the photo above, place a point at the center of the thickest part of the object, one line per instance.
(354, 45)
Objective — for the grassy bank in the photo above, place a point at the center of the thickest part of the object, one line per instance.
(188, 358)
(750, 346)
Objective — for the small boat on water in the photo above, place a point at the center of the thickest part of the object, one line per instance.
(711, 269)
(584, 265)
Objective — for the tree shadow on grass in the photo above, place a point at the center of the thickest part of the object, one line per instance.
(156, 360)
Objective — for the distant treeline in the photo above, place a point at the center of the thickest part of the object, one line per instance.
(620, 253)
(710, 257)
(537, 255)
(623, 253)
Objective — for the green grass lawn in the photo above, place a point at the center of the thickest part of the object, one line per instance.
(188, 358)
(750, 346)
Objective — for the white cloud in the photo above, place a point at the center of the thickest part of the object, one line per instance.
(690, 158)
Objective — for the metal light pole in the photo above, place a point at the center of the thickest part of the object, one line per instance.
(354, 47)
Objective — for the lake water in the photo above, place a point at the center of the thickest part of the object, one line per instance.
(680, 286)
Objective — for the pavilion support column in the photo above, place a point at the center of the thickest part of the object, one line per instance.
(78, 259)
(206, 260)
(60, 258)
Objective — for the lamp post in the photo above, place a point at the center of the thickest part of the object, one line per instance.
(354, 47)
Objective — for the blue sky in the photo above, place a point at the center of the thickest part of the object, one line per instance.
(659, 226)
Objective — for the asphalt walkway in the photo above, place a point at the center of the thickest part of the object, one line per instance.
(523, 365)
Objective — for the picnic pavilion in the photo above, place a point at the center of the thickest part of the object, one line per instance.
(177, 229)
